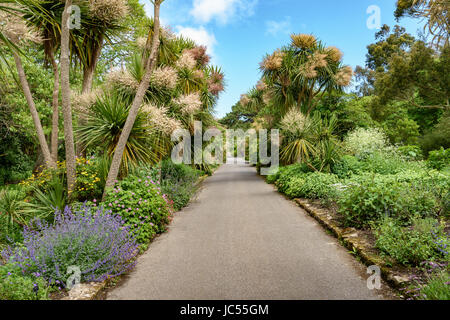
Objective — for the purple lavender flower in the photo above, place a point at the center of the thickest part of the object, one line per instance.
(93, 239)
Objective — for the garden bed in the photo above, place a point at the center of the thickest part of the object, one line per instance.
(360, 242)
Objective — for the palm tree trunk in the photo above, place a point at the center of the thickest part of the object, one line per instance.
(143, 86)
(65, 93)
(89, 71)
(55, 108)
(88, 79)
(49, 162)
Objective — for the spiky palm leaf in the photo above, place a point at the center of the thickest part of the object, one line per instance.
(104, 126)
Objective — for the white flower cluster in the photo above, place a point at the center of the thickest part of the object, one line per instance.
(190, 103)
(14, 28)
(122, 79)
(363, 141)
(108, 11)
(294, 121)
(165, 77)
(186, 61)
(83, 102)
(158, 118)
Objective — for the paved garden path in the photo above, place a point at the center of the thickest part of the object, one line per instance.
(240, 239)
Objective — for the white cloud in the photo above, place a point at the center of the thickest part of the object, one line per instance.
(223, 11)
(276, 27)
(200, 35)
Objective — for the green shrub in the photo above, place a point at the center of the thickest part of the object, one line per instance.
(383, 163)
(410, 153)
(272, 178)
(439, 159)
(287, 173)
(315, 185)
(14, 285)
(369, 198)
(412, 245)
(437, 287)
(347, 166)
(141, 204)
(178, 182)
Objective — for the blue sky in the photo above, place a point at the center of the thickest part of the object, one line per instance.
(239, 33)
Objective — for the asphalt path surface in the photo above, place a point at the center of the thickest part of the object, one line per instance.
(241, 239)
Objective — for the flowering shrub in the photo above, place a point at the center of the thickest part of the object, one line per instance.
(362, 142)
(437, 287)
(142, 205)
(88, 184)
(14, 285)
(93, 240)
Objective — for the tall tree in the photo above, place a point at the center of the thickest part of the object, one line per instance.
(436, 13)
(300, 74)
(65, 93)
(14, 31)
(137, 102)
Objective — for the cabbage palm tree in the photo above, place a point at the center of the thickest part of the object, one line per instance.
(104, 125)
(137, 101)
(300, 74)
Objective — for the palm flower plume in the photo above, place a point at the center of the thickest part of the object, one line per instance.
(308, 70)
(186, 61)
(318, 60)
(199, 54)
(215, 83)
(122, 79)
(273, 62)
(215, 88)
(334, 54)
(108, 11)
(141, 42)
(294, 121)
(190, 103)
(261, 85)
(167, 33)
(344, 76)
(14, 28)
(165, 77)
(245, 100)
(83, 102)
(304, 41)
(158, 118)
(267, 97)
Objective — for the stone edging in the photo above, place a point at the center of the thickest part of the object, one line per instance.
(349, 236)
(86, 291)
